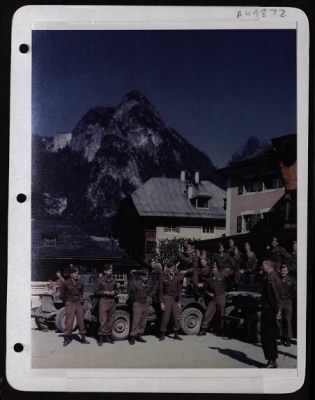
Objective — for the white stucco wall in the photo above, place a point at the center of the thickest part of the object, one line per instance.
(189, 232)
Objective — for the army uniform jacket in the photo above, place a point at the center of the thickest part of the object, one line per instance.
(279, 255)
(200, 275)
(140, 292)
(216, 284)
(250, 264)
(188, 261)
(238, 261)
(104, 286)
(171, 285)
(288, 288)
(71, 290)
(224, 261)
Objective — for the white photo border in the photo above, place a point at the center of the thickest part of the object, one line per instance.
(19, 372)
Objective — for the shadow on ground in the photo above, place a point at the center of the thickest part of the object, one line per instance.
(239, 356)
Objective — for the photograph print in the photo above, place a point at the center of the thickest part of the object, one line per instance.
(164, 199)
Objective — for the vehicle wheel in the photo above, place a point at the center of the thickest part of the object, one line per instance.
(60, 320)
(41, 324)
(191, 320)
(121, 325)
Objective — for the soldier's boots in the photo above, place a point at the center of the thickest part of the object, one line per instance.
(132, 340)
(177, 337)
(100, 340)
(272, 364)
(202, 332)
(109, 339)
(140, 339)
(67, 340)
(83, 340)
(162, 336)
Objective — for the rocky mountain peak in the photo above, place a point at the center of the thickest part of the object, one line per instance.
(135, 95)
(113, 151)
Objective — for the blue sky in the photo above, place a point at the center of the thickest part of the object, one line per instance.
(216, 88)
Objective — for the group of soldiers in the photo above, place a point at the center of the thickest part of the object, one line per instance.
(211, 275)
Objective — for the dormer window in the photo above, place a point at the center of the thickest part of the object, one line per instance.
(49, 240)
(202, 202)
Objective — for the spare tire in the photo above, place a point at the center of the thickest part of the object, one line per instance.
(190, 321)
(121, 325)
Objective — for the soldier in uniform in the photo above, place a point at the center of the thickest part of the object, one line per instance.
(288, 294)
(271, 313)
(106, 289)
(293, 260)
(188, 258)
(200, 276)
(250, 263)
(230, 250)
(215, 289)
(278, 254)
(141, 297)
(170, 290)
(71, 292)
(238, 261)
(223, 260)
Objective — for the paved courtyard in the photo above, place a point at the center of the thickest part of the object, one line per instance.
(193, 352)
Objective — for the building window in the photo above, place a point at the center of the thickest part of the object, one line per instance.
(246, 222)
(250, 221)
(202, 202)
(150, 248)
(118, 276)
(50, 242)
(252, 185)
(239, 224)
(172, 229)
(150, 234)
(208, 229)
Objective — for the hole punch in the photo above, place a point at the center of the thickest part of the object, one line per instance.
(21, 197)
(24, 48)
(18, 347)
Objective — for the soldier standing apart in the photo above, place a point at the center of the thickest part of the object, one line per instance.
(140, 296)
(170, 289)
(271, 313)
(215, 289)
(288, 293)
(107, 290)
(71, 292)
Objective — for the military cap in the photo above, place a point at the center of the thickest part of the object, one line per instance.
(73, 269)
(143, 272)
(107, 267)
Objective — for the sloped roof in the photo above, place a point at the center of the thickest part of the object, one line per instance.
(167, 197)
(71, 242)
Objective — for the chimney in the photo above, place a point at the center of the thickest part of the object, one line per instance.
(196, 177)
(189, 191)
(182, 176)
